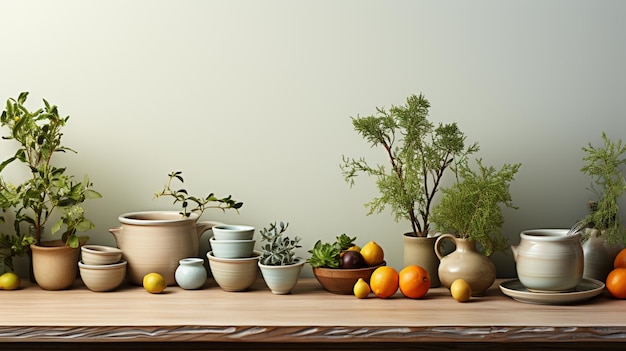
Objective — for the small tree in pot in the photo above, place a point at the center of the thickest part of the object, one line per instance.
(470, 212)
(49, 189)
(278, 262)
(419, 154)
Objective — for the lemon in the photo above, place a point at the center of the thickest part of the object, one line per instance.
(372, 254)
(9, 281)
(354, 248)
(154, 283)
(461, 290)
(361, 289)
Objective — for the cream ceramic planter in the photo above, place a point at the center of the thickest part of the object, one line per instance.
(155, 241)
(282, 279)
(55, 266)
(234, 274)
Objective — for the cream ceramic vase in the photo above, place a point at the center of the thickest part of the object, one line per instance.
(55, 266)
(420, 251)
(465, 263)
(155, 241)
(599, 256)
(549, 260)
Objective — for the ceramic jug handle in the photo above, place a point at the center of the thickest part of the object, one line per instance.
(203, 226)
(438, 242)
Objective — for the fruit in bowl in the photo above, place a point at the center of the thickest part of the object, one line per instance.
(338, 266)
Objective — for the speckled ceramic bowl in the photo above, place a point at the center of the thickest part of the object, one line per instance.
(234, 274)
(232, 248)
(99, 254)
(233, 232)
(105, 277)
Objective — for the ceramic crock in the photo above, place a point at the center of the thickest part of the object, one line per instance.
(191, 273)
(549, 260)
(155, 241)
(420, 251)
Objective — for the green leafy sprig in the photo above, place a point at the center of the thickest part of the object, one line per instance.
(200, 203)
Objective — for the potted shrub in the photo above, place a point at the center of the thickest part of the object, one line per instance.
(419, 155)
(605, 234)
(278, 262)
(172, 235)
(470, 213)
(49, 190)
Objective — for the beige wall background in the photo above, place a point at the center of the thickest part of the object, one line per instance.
(254, 99)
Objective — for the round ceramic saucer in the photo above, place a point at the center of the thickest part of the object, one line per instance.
(587, 289)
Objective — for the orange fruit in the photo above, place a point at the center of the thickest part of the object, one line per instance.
(414, 281)
(616, 283)
(620, 260)
(372, 254)
(384, 281)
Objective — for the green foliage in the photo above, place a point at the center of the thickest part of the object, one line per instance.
(471, 207)
(49, 188)
(278, 250)
(603, 166)
(419, 153)
(345, 242)
(201, 204)
(325, 255)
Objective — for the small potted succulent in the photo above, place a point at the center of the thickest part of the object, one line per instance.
(278, 262)
(419, 154)
(470, 214)
(605, 233)
(49, 190)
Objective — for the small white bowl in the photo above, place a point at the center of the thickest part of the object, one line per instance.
(102, 277)
(232, 232)
(232, 248)
(99, 254)
(234, 274)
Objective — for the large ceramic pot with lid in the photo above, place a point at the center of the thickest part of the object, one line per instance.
(155, 241)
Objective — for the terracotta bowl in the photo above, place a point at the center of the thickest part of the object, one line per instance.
(234, 274)
(98, 254)
(105, 277)
(342, 280)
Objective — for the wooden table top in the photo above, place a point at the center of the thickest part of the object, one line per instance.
(309, 314)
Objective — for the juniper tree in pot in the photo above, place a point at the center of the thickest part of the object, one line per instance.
(605, 233)
(470, 212)
(278, 262)
(419, 154)
(48, 190)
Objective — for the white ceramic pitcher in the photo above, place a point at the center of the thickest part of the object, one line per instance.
(549, 260)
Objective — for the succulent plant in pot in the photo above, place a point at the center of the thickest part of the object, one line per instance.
(48, 190)
(604, 234)
(278, 262)
(470, 213)
(420, 154)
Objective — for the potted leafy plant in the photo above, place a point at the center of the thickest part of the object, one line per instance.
(419, 155)
(470, 212)
(605, 233)
(278, 262)
(48, 190)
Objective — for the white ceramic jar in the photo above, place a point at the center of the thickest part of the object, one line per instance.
(191, 273)
(549, 260)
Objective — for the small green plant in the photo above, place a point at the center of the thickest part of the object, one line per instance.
(471, 207)
(329, 254)
(419, 154)
(603, 164)
(201, 203)
(38, 134)
(278, 250)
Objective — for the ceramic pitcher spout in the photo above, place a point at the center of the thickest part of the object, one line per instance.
(514, 250)
(116, 234)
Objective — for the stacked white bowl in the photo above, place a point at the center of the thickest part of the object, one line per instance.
(233, 261)
(101, 267)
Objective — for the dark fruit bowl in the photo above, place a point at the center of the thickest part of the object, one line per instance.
(342, 280)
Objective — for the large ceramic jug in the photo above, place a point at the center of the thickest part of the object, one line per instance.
(466, 263)
(155, 241)
(549, 260)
